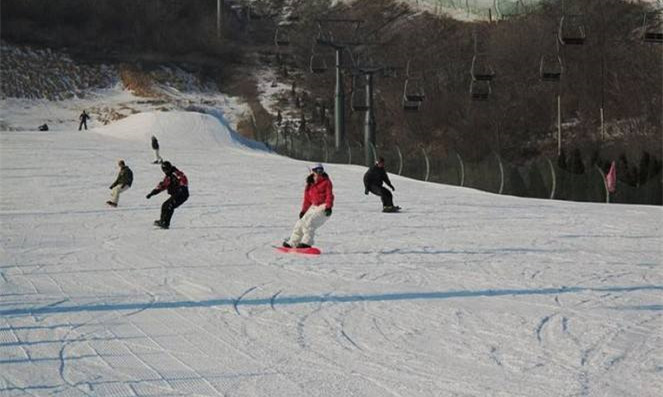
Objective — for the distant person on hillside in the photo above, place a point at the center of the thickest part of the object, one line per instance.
(84, 117)
(123, 182)
(155, 147)
(316, 208)
(373, 180)
(177, 185)
(43, 127)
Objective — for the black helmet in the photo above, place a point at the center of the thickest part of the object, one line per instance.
(166, 167)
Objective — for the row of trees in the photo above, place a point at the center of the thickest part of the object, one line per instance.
(123, 28)
(631, 173)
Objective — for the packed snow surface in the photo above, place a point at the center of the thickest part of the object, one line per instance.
(464, 293)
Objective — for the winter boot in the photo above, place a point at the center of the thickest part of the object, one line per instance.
(160, 224)
(112, 204)
(286, 245)
(302, 245)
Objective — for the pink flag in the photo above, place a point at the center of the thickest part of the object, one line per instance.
(611, 178)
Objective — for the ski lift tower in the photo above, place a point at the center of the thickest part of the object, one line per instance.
(362, 101)
(339, 44)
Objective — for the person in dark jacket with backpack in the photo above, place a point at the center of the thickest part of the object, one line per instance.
(373, 180)
(123, 182)
(177, 185)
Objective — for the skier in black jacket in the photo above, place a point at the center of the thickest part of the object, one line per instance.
(177, 185)
(84, 117)
(373, 180)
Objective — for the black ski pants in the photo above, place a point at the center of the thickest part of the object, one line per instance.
(385, 195)
(168, 206)
(82, 124)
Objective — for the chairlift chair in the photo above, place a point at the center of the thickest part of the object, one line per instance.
(411, 106)
(412, 99)
(389, 72)
(324, 37)
(550, 70)
(414, 90)
(652, 27)
(480, 90)
(318, 64)
(571, 30)
(481, 71)
(358, 97)
(281, 38)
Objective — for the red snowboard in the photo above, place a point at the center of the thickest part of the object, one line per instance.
(306, 251)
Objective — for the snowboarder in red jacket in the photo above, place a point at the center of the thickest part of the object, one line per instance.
(316, 208)
(178, 187)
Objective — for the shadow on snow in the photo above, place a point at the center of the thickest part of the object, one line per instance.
(305, 299)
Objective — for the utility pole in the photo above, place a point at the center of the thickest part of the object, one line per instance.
(369, 119)
(559, 123)
(339, 101)
(602, 75)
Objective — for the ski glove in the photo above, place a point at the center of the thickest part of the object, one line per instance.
(327, 211)
(366, 192)
(393, 189)
(152, 193)
(301, 214)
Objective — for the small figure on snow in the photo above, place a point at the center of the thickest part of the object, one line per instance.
(155, 147)
(123, 182)
(373, 180)
(316, 208)
(43, 127)
(84, 117)
(177, 185)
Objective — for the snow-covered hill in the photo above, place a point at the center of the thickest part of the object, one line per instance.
(463, 294)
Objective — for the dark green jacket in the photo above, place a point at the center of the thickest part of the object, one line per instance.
(125, 177)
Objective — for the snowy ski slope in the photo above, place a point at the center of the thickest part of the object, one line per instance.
(465, 293)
